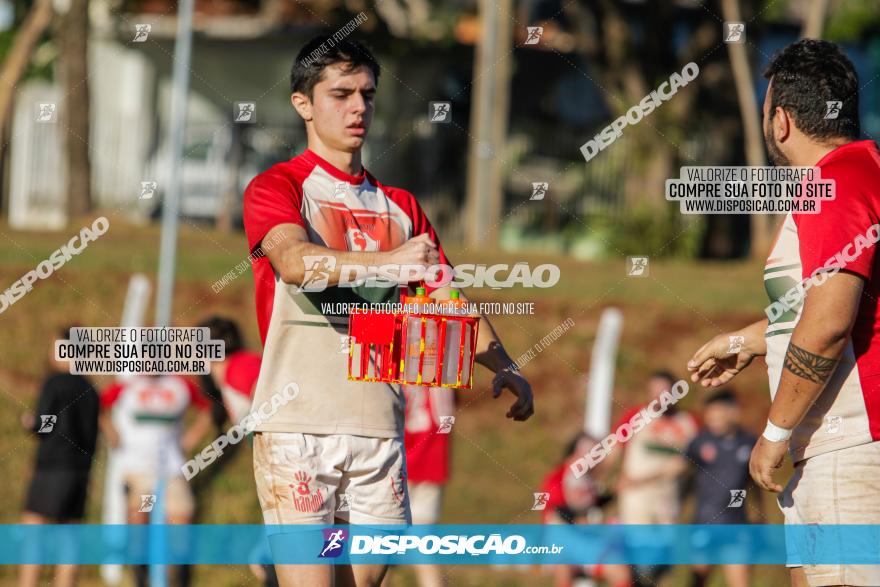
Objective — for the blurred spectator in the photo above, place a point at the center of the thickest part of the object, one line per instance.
(720, 455)
(652, 462)
(236, 375)
(577, 500)
(66, 425)
(143, 419)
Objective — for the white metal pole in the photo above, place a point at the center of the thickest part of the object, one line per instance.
(600, 388)
(177, 124)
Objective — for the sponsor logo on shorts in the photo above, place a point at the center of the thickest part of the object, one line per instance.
(334, 542)
(398, 485)
(304, 500)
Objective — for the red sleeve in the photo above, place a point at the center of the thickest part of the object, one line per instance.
(627, 415)
(242, 372)
(196, 397)
(836, 237)
(110, 395)
(269, 200)
(421, 224)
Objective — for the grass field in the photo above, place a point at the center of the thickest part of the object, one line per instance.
(497, 463)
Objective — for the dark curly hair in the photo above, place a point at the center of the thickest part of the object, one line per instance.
(805, 76)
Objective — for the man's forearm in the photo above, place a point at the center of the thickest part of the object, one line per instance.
(490, 352)
(295, 264)
(810, 361)
(754, 337)
(818, 341)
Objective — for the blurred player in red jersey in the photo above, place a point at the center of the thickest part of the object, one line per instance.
(578, 500)
(142, 418)
(648, 487)
(430, 419)
(235, 377)
(651, 460)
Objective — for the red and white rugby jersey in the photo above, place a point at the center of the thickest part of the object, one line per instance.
(847, 413)
(147, 414)
(658, 445)
(427, 448)
(302, 345)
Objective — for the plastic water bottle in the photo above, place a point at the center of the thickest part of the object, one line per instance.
(429, 365)
(452, 343)
(414, 337)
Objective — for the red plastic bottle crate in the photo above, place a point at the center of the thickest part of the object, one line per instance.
(379, 343)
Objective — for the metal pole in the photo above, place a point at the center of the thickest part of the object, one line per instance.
(170, 210)
(177, 123)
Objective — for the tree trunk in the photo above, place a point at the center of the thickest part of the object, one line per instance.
(73, 30)
(761, 224)
(814, 22)
(15, 64)
(230, 196)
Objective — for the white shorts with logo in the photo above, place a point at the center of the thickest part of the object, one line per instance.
(838, 487)
(314, 478)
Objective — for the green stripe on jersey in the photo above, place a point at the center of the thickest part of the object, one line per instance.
(780, 268)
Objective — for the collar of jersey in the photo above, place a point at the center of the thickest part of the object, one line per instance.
(334, 171)
(844, 148)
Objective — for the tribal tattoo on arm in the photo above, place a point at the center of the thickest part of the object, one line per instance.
(807, 365)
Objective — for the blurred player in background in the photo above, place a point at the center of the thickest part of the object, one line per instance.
(719, 459)
(822, 349)
(341, 441)
(236, 375)
(648, 488)
(142, 417)
(577, 500)
(429, 422)
(66, 426)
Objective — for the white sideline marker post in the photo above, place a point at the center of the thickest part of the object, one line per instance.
(600, 383)
(114, 509)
